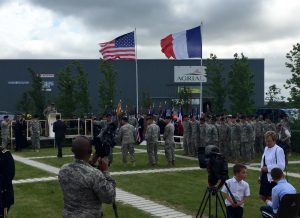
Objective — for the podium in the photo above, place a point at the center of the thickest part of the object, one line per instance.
(51, 118)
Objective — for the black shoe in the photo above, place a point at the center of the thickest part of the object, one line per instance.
(59, 156)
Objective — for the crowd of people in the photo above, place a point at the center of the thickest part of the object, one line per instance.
(239, 138)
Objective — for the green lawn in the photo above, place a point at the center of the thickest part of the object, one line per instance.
(44, 200)
(295, 168)
(184, 190)
(24, 171)
(42, 152)
(117, 165)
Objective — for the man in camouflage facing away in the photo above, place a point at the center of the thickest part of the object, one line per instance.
(169, 142)
(84, 187)
(194, 135)
(246, 140)
(127, 138)
(186, 135)
(152, 136)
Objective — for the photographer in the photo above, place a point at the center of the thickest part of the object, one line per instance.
(273, 157)
(104, 141)
(84, 187)
(240, 190)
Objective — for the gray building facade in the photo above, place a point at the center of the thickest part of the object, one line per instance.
(155, 77)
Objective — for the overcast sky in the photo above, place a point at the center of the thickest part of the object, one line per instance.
(71, 29)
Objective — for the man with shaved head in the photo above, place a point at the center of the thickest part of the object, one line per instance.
(85, 187)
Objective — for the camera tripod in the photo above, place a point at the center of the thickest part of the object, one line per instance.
(213, 191)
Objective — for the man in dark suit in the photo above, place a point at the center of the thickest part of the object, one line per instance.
(59, 128)
(7, 173)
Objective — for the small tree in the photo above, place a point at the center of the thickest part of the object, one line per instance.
(272, 96)
(65, 101)
(216, 83)
(294, 83)
(25, 103)
(240, 86)
(36, 93)
(82, 90)
(146, 101)
(185, 99)
(107, 87)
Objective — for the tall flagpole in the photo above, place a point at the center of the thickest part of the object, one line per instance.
(201, 88)
(136, 74)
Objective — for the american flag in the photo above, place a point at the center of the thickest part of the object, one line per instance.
(122, 47)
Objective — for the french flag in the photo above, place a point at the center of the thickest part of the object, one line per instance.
(183, 45)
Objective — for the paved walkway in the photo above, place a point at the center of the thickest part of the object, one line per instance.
(141, 203)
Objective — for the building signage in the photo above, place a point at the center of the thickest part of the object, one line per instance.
(18, 82)
(47, 75)
(47, 85)
(189, 74)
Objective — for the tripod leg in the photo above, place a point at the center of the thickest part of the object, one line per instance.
(205, 199)
(202, 201)
(221, 202)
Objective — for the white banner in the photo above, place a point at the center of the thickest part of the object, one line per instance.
(189, 74)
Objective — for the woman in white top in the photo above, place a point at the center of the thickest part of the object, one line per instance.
(273, 157)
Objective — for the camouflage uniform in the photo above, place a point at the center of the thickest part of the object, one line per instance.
(194, 136)
(169, 142)
(235, 130)
(269, 126)
(259, 137)
(35, 128)
(186, 137)
(85, 189)
(246, 141)
(212, 135)
(4, 133)
(152, 136)
(127, 136)
(224, 138)
(203, 128)
(133, 121)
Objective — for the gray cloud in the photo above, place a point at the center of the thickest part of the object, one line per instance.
(224, 21)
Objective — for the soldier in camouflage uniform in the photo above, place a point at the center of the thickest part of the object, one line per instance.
(152, 136)
(269, 126)
(127, 138)
(202, 133)
(5, 131)
(259, 135)
(224, 137)
(212, 133)
(235, 130)
(133, 121)
(194, 134)
(35, 129)
(246, 140)
(169, 141)
(84, 187)
(186, 135)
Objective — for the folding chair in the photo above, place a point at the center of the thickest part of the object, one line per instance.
(289, 207)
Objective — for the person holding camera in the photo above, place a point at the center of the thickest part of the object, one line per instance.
(84, 187)
(282, 188)
(240, 191)
(273, 157)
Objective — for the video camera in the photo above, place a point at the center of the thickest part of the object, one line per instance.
(215, 163)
